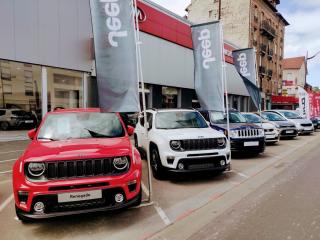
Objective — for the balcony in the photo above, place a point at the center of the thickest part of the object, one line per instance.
(267, 30)
(263, 49)
(262, 71)
(270, 54)
(269, 73)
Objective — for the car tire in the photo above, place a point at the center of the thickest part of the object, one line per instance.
(21, 217)
(158, 170)
(4, 126)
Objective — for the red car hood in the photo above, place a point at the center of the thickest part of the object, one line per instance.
(77, 149)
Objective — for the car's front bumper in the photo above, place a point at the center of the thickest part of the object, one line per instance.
(47, 192)
(239, 145)
(288, 132)
(75, 208)
(199, 160)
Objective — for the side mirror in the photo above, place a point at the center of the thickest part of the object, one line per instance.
(130, 130)
(32, 133)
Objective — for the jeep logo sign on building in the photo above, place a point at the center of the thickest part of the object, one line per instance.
(115, 54)
(207, 52)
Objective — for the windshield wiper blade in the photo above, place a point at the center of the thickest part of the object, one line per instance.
(44, 138)
(97, 135)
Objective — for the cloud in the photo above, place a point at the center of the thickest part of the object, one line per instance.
(176, 6)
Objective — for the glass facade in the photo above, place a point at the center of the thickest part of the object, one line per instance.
(21, 95)
(65, 89)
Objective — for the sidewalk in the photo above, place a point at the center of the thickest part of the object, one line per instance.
(7, 136)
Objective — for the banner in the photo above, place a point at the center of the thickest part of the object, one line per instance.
(244, 62)
(304, 105)
(115, 55)
(208, 50)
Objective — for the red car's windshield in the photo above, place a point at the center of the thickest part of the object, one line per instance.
(81, 125)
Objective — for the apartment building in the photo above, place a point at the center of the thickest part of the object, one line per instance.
(250, 23)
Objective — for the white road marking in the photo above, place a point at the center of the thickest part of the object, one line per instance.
(10, 171)
(8, 160)
(242, 175)
(144, 189)
(162, 215)
(11, 151)
(6, 202)
(5, 181)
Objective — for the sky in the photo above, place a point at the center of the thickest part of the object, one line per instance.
(302, 36)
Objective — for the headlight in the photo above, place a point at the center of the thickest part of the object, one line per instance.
(120, 163)
(36, 169)
(261, 132)
(175, 144)
(233, 133)
(221, 142)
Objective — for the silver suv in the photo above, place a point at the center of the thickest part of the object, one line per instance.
(16, 118)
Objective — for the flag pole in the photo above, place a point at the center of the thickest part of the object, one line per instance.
(225, 86)
(257, 81)
(141, 80)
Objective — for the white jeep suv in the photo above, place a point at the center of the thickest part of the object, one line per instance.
(180, 140)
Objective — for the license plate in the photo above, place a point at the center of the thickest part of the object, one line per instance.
(308, 129)
(28, 121)
(79, 196)
(250, 144)
(289, 131)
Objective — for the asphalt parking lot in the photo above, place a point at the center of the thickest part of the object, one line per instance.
(173, 199)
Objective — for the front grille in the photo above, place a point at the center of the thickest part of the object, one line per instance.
(200, 144)
(306, 125)
(245, 133)
(287, 126)
(81, 168)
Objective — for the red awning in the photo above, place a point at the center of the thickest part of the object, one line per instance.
(285, 99)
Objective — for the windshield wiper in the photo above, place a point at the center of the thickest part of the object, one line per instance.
(44, 138)
(97, 135)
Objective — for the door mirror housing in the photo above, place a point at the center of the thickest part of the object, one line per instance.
(32, 133)
(130, 130)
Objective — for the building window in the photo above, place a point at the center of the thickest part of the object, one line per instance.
(210, 13)
(24, 89)
(5, 73)
(7, 89)
(65, 88)
(28, 91)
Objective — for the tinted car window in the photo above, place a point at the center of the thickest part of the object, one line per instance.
(2, 112)
(220, 118)
(179, 119)
(81, 125)
(291, 115)
(272, 116)
(252, 118)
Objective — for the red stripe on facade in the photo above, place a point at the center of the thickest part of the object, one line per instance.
(285, 99)
(164, 26)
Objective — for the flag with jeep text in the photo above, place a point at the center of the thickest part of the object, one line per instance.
(244, 62)
(304, 104)
(207, 52)
(115, 55)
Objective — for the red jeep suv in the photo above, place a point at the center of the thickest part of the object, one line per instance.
(79, 161)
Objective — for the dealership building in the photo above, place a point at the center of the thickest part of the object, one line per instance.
(47, 57)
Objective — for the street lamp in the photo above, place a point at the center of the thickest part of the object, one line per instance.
(309, 58)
